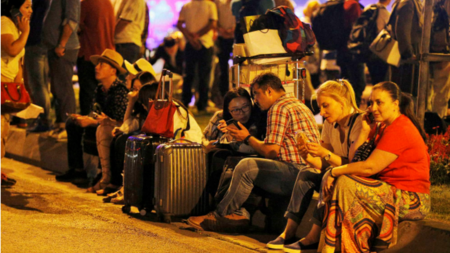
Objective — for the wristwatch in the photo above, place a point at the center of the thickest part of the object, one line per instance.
(327, 157)
(246, 139)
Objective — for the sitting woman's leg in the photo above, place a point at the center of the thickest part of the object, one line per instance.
(361, 215)
(307, 181)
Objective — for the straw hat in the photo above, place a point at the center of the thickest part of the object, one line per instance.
(112, 57)
(140, 65)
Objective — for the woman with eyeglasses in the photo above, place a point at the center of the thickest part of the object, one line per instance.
(237, 106)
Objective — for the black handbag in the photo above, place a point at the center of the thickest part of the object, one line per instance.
(364, 151)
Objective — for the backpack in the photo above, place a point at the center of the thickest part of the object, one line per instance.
(328, 25)
(295, 35)
(440, 29)
(364, 31)
(249, 8)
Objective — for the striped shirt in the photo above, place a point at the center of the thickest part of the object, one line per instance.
(286, 117)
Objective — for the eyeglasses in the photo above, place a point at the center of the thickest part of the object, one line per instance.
(244, 109)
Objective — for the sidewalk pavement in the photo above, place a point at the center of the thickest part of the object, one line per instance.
(45, 152)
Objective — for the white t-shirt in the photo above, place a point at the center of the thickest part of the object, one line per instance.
(331, 136)
(10, 64)
(134, 11)
(196, 15)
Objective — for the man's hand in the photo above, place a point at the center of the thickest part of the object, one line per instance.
(60, 51)
(238, 135)
(85, 121)
(116, 131)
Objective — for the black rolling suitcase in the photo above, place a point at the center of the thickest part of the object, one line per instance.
(180, 180)
(139, 170)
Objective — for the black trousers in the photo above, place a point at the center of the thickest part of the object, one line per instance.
(79, 140)
(88, 83)
(202, 60)
(225, 47)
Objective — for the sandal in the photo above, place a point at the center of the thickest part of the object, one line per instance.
(108, 189)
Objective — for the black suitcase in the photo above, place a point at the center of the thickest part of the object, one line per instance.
(180, 180)
(139, 172)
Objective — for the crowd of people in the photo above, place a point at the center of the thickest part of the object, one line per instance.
(370, 167)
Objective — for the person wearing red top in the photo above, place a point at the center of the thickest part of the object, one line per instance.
(97, 22)
(365, 200)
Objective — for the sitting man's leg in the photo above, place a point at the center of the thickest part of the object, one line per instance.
(272, 176)
(74, 151)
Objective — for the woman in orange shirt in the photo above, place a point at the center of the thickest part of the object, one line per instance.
(362, 213)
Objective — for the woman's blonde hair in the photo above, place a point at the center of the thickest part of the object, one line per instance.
(341, 91)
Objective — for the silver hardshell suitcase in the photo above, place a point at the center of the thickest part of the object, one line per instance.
(180, 180)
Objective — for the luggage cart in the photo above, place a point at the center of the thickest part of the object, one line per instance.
(290, 65)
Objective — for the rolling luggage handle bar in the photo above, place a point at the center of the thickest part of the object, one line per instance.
(162, 85)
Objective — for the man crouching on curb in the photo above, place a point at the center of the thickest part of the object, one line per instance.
(278, 172)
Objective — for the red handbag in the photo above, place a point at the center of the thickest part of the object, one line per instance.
(160, 116)
(15, 97)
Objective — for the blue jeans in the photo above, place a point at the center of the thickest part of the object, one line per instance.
(272, 176)
(36, 77)
(307, 181)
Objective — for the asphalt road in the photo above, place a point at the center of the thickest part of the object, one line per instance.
(39, 214)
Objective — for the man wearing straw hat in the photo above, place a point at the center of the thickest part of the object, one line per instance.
(110, 101)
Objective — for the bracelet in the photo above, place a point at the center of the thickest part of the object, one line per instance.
(331, 173)
(246, 139)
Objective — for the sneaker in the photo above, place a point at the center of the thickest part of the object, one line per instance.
(71, 175)
(297, 247)
(279, 242)
(39, 128)
(232, 223)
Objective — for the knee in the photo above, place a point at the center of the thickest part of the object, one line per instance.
(244, 167)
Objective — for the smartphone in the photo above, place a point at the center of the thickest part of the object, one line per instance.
(371, 118)
(233, 122)
(15, 13)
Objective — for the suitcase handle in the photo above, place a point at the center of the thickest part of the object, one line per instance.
(173, 141)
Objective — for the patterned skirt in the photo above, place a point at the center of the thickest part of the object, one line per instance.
(363, 215)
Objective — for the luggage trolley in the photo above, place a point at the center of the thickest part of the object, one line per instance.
(287, 65)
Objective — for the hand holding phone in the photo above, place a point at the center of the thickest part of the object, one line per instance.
(233, 122)
(370, 118)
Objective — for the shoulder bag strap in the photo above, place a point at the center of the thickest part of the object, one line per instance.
(352, 122)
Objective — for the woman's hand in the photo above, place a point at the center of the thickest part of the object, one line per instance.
(222, 126)
(316, 150)
(303, 151)
(328, 183)
(210, 146)
(133, 96)
(367, 123)
(23, 24)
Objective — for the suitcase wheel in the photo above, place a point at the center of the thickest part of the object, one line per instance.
(167, 218)
(126, 209)
(143, 212)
